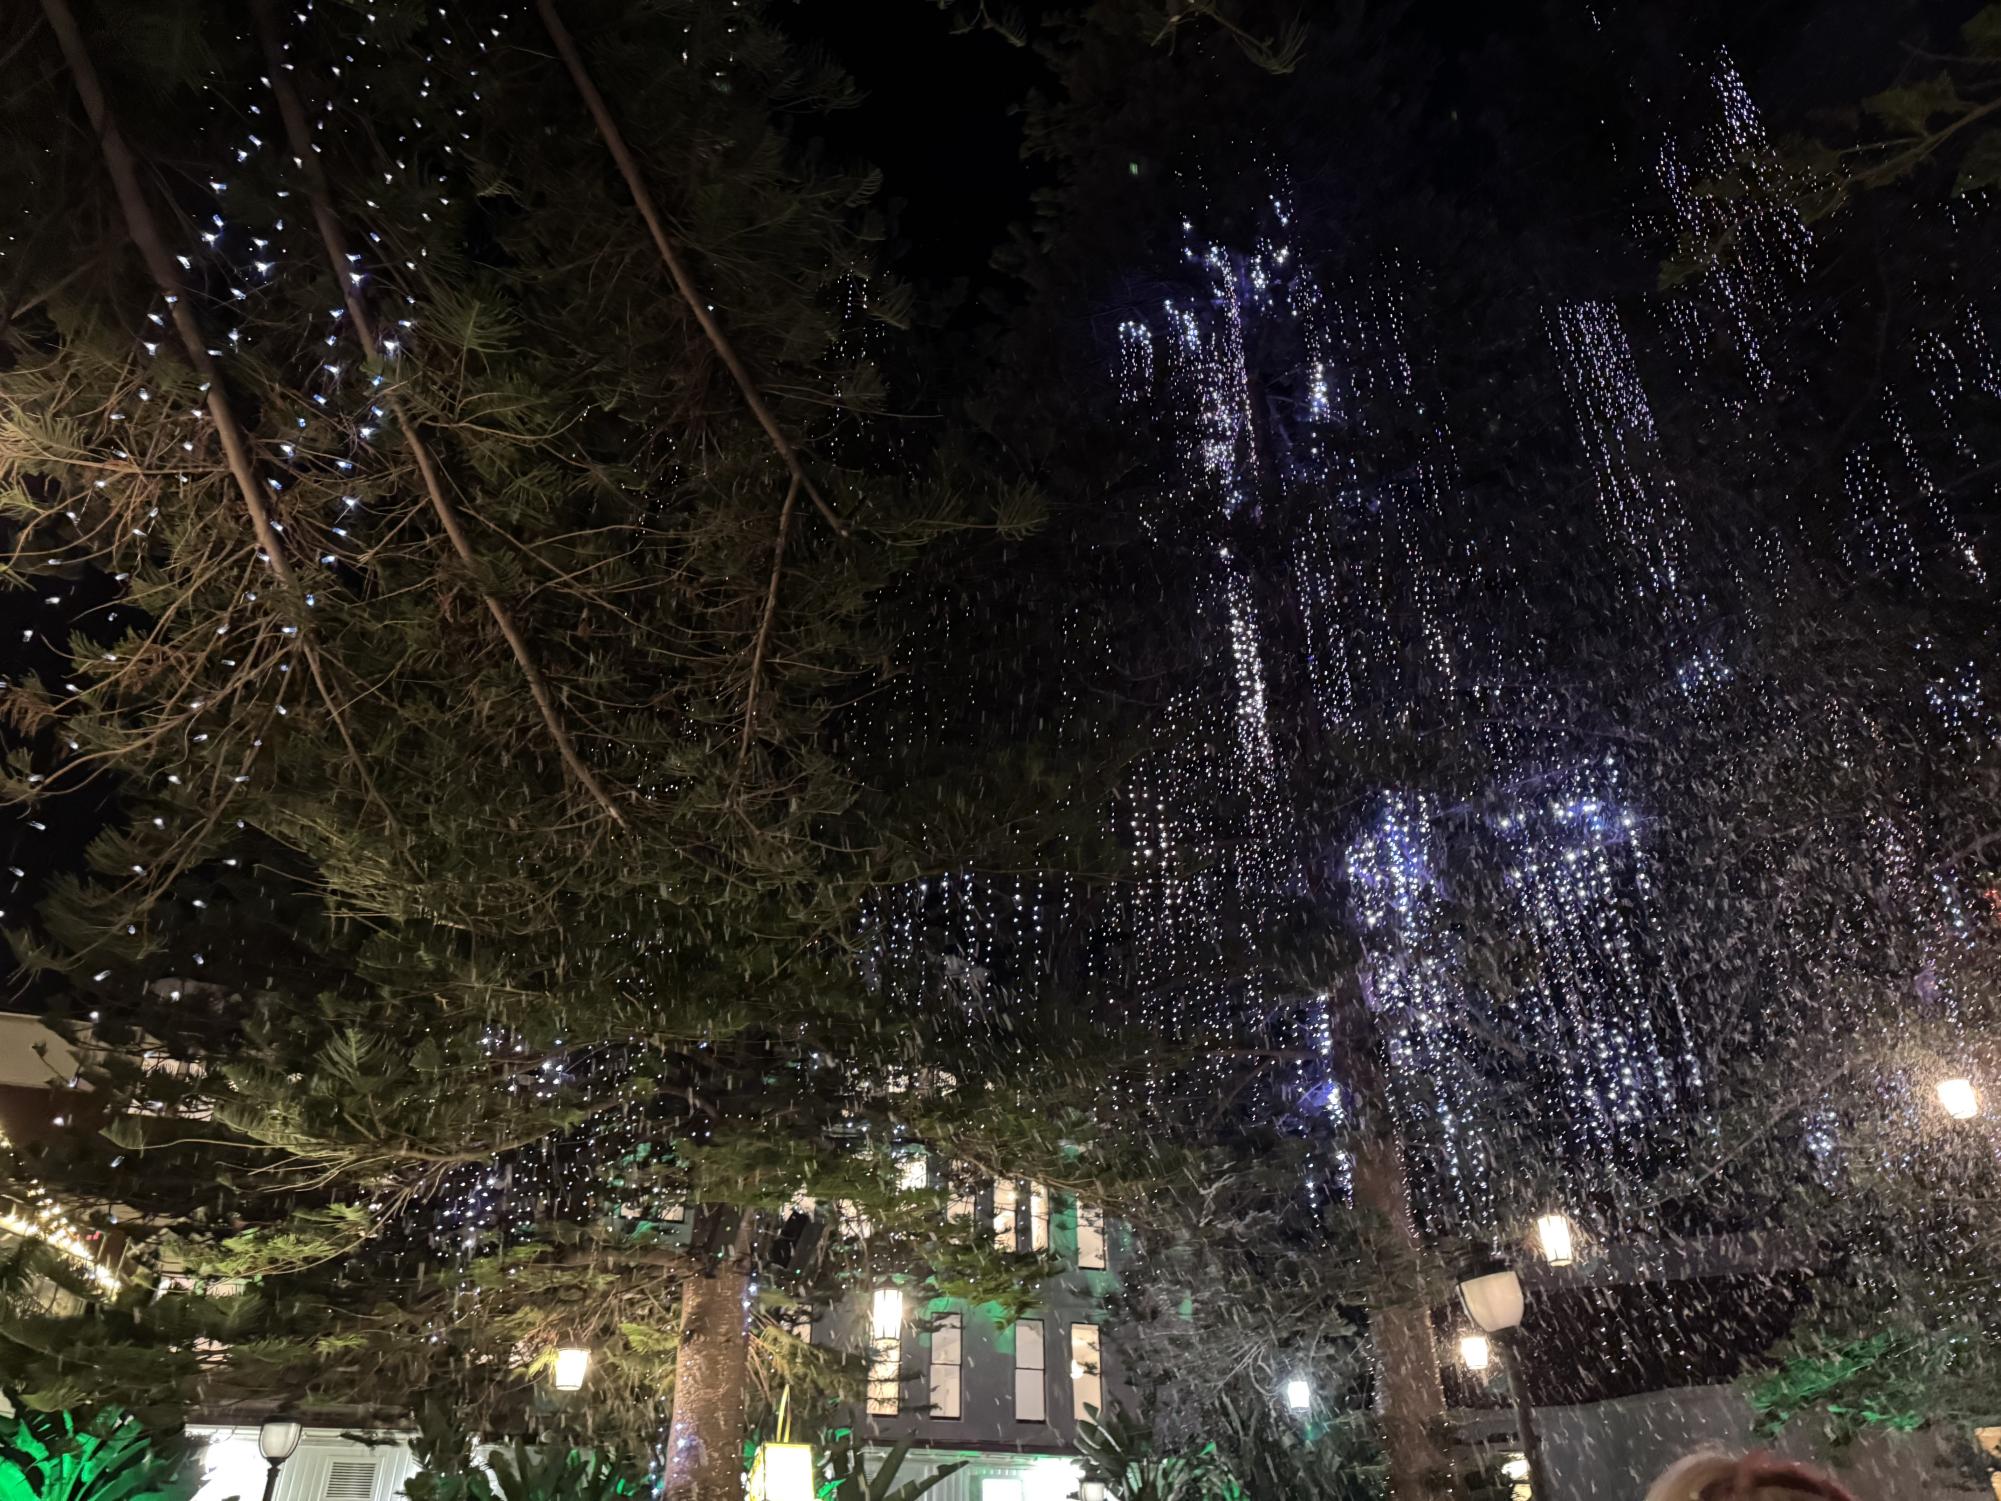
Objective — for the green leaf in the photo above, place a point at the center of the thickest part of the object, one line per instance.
(1914, 106)
(1982, 34)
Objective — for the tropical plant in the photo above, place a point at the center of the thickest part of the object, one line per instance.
(848, 1477)
(520, 1471)
(107, 1456)
(1123, 1449)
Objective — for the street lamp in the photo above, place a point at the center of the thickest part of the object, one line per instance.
(1473, 1351)
(1298, 1394)
(1491, 1293)
(1960, 1099)
(277, 1437)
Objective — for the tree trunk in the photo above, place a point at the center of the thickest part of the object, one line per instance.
(705, 1443)
(1410, 1394)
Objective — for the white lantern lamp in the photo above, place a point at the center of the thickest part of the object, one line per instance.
(783, 1472)
(1492, 1296)
(1553, 1236)
(573, 1364)
(1298, 1394)
(277, 1440)
(1959, 1098)
(1474, 1352)
(278, 1437)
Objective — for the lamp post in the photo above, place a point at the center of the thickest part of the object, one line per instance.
(1492, 1295)
(277, 1437)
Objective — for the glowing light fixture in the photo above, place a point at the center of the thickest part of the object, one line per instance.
(1959, 1098)
(1552, 1233)
(1298, 1394)
(572, 1365)
(885, 1352)
(782, 1472)
(888, 1313)
(1474, 1351)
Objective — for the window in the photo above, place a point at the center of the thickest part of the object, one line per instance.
(885, 1359)
(1030, 1404)
(1087, 1381)
(1007, 1200)
(947, 1346)
(960, 1207)
(914, 1172)
(1090, 1238)
(1038, 1217)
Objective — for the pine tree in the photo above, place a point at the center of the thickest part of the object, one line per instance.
(510, 567)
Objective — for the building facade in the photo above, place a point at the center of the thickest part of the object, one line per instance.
(964, 1383)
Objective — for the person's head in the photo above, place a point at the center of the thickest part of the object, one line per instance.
(1755, 1477)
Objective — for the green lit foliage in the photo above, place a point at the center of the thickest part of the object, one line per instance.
(1124, 1449)
(1266, 1454)
(108, 1456)
(512, 1472)
(1884, 1381)
(844, 1463)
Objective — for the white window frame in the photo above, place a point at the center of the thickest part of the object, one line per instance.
(885, 1361)
(1087, 1370)
(1031, 1374)
(1007, 1214)
(947, 1385)
(1091, 1243)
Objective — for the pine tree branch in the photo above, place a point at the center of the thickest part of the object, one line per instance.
(318, 194)
(145, 232)
(764, 625)
(642, 198)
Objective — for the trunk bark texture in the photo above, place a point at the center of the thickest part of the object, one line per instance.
(1410, 1393)
(705, 1443)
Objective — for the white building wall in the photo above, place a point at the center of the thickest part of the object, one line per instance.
(325, 1467)
(992, 1477)
(1612, 1451)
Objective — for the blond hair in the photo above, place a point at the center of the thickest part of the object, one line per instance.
(1755, 1477)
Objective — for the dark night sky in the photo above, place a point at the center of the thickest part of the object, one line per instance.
(940, 118)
